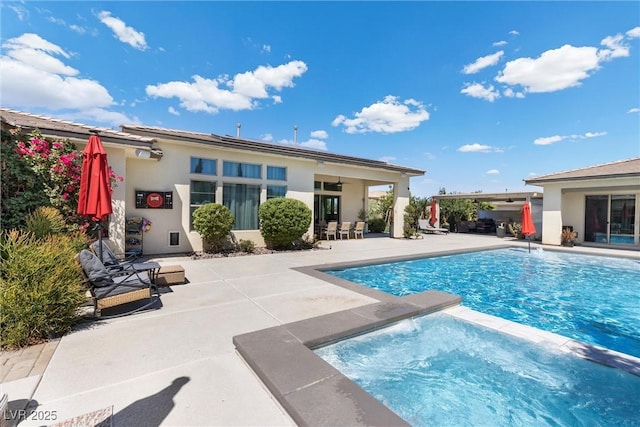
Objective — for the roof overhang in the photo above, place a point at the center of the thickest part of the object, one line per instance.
(228, 142)
(515, 196)
(63, 129)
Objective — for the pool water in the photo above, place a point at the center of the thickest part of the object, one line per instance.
(589, 298)
(442, 371)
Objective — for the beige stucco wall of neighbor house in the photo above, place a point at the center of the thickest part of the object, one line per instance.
(564, 203)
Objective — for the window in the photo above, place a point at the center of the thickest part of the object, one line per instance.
(317, 185)
(276, 191)
(243, 170)
(276, 173)
(332, 186)
(202, 192)
(243, 201)
(203, 166)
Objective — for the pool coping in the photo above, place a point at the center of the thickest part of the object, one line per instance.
(314, 393)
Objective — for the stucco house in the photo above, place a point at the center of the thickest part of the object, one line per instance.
(599, 202)
(169, 173)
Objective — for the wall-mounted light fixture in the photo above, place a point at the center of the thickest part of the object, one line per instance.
(149, 154)
(509, 199)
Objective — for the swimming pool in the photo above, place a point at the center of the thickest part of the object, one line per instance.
(438, 370)
(589, 298)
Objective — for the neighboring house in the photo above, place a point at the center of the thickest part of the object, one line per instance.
(169, 173)
(508, 206)
(600, 203)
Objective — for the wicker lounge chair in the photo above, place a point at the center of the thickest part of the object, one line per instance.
(425, 227)
(111, 288)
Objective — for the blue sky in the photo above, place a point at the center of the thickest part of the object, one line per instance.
(481, 95)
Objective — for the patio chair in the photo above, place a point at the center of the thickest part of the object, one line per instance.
(359, 230)
(115, 263)
(425, 227)
(345, 229)
(111, 288)
(331, 230)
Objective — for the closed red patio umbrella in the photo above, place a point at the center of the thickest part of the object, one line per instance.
(94, 198)
(433, 213)
(528, 228)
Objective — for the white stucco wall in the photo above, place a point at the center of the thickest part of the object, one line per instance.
(171, 173)
(564, 203)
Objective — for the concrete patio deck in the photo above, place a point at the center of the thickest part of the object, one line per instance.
(177, 366)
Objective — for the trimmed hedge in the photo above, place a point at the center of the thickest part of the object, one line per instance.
(283, 221)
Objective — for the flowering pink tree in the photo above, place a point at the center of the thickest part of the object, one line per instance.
(53, 167)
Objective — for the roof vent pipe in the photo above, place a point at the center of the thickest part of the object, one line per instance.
(295, 134)
(238, 126)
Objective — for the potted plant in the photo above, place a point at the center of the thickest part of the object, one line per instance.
(568, 237)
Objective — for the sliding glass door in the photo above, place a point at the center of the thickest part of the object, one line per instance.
(610, 219)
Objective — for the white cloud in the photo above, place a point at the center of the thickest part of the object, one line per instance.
(483, 62)
(100, 115)
(510, 93)
(477, 90)
(20, 11)
(319, 134)
(267, 137)
(500, 43)
(122, 32)
(78, 29)
(476, 148)
(33, 76)
(634, 110)
(266, 48)
(429, 156)
(173, 111)
(492, 172)
(554, 70)
(245, 89)
(514, 33)
(616, 47)
(548, 140)
(562, 68)
(387, 159)
(315, 144)
(386, 116)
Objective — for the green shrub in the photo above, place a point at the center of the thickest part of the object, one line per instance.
(41, 286)
(214, 223)
(377, 225)
(246, 246)
(305, 243)
(44, 221)
(283, 221)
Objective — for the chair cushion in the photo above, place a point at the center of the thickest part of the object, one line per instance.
(93, 268)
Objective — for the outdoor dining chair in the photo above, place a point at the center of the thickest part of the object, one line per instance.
(331, 230)
(345, 229)
(359, 230)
